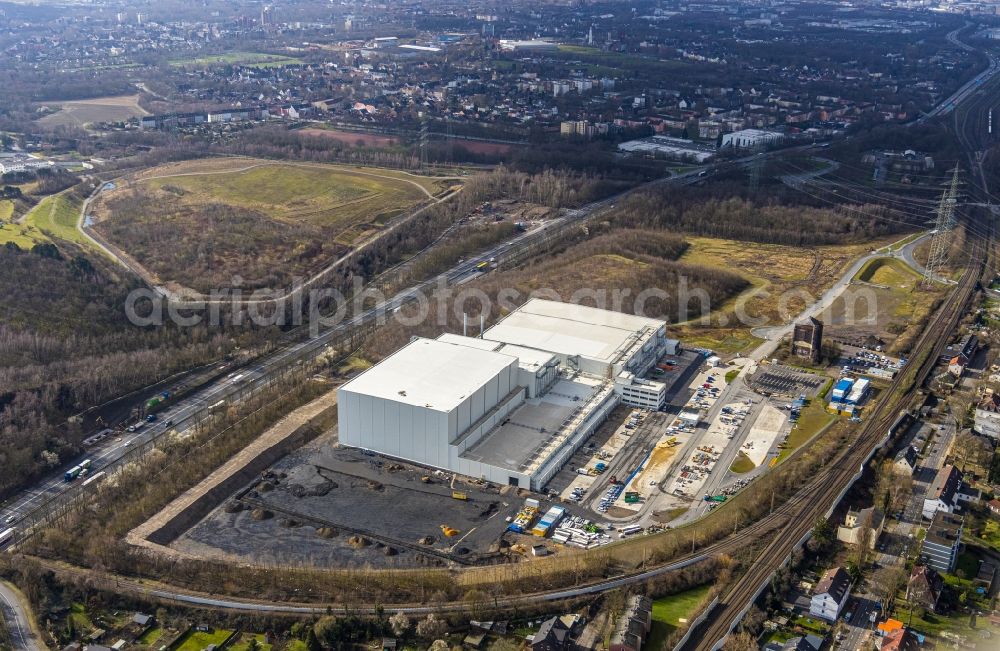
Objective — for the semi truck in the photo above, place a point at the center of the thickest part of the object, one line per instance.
(157, 400)
(77, 470)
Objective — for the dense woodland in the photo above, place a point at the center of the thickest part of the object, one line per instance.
(709, 211)
(66, 345)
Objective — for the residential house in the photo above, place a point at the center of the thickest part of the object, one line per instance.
(905, 462)
(987, 573)
(942, 541)
(142, 619)
(803, 643)
(942, 493)
(994, 506)
(967, 493)
(924, 587)
(957, 364)
(632, 628)
(552, 635)
(988, 415)
(830, 595)
(888, 627)
(900, 640)
(967, 346)
(864, 525)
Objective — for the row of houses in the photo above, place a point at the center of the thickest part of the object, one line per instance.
(629, 634)
(948, 492)
(924, 588)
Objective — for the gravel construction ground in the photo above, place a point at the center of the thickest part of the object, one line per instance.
(279, 431)
(338, 507)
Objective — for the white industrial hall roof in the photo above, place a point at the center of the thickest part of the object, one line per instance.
(569, 329)
(428, 373)
(528, 358)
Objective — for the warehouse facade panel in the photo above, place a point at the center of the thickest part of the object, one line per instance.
(419, 401)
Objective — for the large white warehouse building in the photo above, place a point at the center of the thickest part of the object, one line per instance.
(513, 406)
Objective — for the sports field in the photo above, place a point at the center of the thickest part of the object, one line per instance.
(198, 223)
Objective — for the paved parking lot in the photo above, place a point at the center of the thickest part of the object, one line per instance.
(776, 379)
(869, 362)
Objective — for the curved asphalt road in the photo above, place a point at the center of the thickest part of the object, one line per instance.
(774, 334)
(17, 617)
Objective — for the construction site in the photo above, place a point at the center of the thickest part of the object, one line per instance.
(633, 470)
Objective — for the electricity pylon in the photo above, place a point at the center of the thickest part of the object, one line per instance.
(943, 227)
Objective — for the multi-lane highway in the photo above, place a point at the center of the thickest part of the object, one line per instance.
(967, 89)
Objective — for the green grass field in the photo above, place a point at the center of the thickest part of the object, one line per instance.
(668, 611)
(989, 535)
(324, 196)
(81, 620)
(889, 272)
(721, 340)
(251, 59)
(200, 222)
(243, 643)
(56, 216)
(901, 243)
(150, 637)
(771, 271)
(813, 418)
(23, 236)
(6, 210)
(195, 641)
(600, 61)
(742, 464)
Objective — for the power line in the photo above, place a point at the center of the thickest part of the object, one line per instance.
(941, 242)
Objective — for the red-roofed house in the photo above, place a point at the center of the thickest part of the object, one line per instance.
(900, 640)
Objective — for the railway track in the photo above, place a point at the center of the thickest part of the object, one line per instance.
(838, 476)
